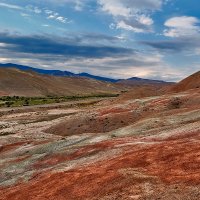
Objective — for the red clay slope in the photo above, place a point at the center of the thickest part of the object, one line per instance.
(159, 162)
(191, 82)
(166, 170)
(141, 92)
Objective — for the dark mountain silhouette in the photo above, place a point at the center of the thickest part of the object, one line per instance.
(56, 72)
(135, 81)
(130, 81)
(98, 77)
(40, 71)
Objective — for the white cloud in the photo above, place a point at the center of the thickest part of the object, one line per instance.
(30, 9)
(61, 19)
(54, 15)
(51, 17)
(139, 64)
(138, 24)
(3, 45)
(24, 15)
(11, 6)
(77, 4)
(45, 25)
(33, 9)
(127, 7)
(48, 12)
(131, 15)
(115, 8)
(182, 26)
(145, 20)
(125, 26)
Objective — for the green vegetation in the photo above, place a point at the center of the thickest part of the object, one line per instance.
(17, 101)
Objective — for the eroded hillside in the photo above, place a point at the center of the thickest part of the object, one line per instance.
(144, 148)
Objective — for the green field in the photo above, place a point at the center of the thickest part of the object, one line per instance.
(17, 101)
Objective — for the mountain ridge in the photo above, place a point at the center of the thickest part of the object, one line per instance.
(83, 74)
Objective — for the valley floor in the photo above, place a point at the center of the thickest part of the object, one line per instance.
(103, 150)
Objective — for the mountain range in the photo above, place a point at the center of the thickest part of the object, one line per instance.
(130, 81)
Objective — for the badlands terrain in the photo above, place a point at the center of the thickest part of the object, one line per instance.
(142, 145)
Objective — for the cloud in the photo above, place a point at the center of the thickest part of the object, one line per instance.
(11, 6)
(27, 10)
(127, 8)
(55, 16)
(182, 35)
(45, 25)
(48, 12)
(25, 15)
(34, 9)
(77, 4)
(168, 45)
(138, 64)
(188, 46)
(102, 54)
(36, 44)
(61, 19)
(131, 15)
(182, 26)
(75, 54)
(139, 24)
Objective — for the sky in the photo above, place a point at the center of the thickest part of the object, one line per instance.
(155, 39)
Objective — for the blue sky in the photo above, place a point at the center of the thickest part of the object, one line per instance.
(157, 39)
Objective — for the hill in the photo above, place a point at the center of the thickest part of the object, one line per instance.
(27, 83)
(191, 82)
(143, 91)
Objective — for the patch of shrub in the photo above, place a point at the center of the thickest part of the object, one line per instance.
(175, 103)
(26, 102)
(9, 103)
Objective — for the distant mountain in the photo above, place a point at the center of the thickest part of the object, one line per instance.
(40, 71)
(129, 82)
(57, 72)
(98, 77)
(134, 81)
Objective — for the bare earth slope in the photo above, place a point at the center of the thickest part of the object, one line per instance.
(20, 83)
(139, 149)
(190, 82)
(142, 91)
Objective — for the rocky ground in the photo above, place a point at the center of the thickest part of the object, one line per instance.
(140, 149)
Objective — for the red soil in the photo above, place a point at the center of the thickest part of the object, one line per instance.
(143, 91)
(148, 166)
(170, 162)
(191, 82)
(12, 146)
